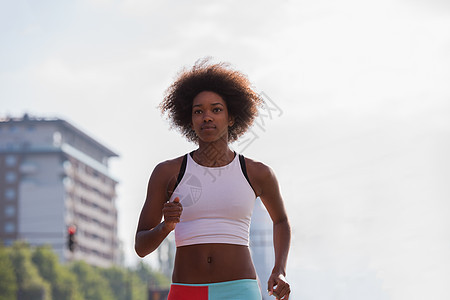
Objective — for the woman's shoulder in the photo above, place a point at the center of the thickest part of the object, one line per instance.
(263, 179)
(169, 166)
(256, 166)
(260, 174)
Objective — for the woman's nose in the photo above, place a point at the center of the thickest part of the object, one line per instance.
(207, 117)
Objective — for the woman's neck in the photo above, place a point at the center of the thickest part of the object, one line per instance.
(214, 154)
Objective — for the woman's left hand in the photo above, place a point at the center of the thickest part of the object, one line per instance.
(278, 286)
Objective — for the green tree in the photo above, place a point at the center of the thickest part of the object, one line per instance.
(8, 285)
(150, 277)
(139, 288)
(118, 281)
(126, 284)
(63, 282)
(30, 285)
(93, 286)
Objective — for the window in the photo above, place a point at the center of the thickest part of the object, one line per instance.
(67, 165)
(9, 227)
(57, 139)
(10, 160)
(10, 211)
(10, 194)
(10, 177)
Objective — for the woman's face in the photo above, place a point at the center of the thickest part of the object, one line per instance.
(210, 119)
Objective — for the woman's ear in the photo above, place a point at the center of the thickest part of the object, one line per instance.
(230, 121)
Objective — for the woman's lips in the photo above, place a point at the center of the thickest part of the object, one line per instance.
(208, 127)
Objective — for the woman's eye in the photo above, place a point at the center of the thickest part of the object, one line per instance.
(217, 109)
(198, 111)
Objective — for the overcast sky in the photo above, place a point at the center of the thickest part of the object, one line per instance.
(359, 133)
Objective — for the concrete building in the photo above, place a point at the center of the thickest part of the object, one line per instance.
(52, 176)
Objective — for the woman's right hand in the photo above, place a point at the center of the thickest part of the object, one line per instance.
(172, 213)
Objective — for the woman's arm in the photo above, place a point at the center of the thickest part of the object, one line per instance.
(150, 230)
(267, 188)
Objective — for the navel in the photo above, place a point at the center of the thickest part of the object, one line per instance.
(209, 259)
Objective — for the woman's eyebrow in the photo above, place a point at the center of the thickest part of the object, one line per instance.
(212, 104)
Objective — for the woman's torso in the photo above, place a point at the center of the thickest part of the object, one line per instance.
(208, 262)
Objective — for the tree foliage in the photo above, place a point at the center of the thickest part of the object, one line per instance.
(30, 285)
(64, 284)
(93, 285)
(125, 284)
(152, 278)
(8, 285)
(35, 273)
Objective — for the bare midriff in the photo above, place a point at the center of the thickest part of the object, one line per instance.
(209, 263)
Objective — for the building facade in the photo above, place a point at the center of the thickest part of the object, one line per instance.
(54, 176)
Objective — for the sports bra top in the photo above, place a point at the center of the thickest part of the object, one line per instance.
(217, 203)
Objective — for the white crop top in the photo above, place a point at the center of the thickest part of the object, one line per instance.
(217, 204)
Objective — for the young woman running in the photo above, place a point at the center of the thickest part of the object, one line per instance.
(207, 196)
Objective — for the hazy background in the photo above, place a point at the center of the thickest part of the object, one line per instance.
(359, 139)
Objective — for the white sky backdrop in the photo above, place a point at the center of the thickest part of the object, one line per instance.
(361, 148)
